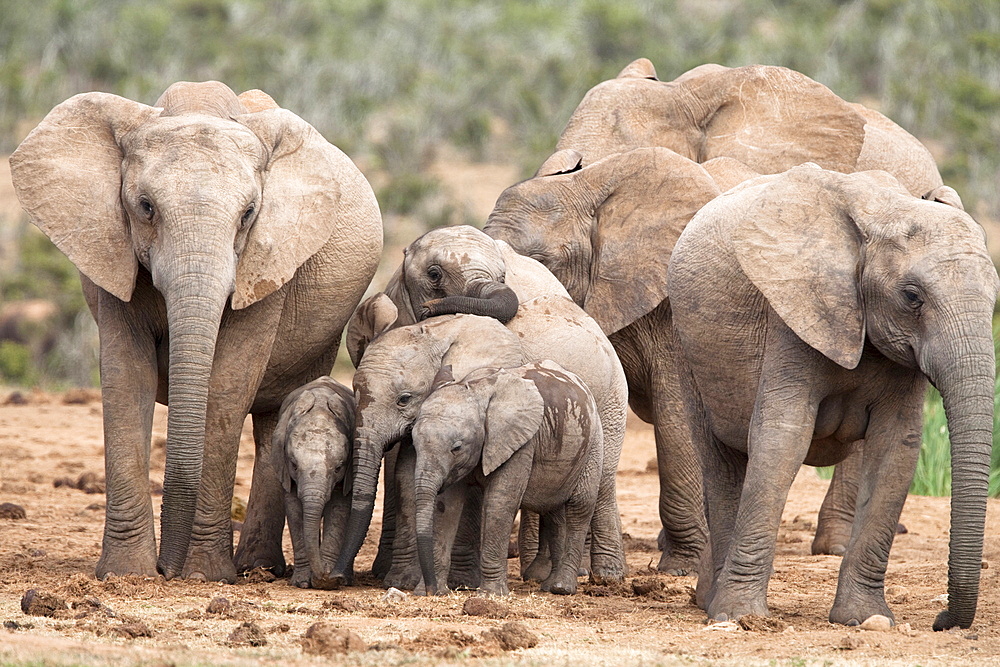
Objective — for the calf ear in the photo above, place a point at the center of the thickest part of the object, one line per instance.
(561, 162)
(945, 195)
(513, 417)
(373, 317)
(797, 242)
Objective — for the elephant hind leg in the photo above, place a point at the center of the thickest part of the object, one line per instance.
(260, 539)
(836, 515)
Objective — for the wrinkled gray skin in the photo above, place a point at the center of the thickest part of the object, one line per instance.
(312, 449)
(531, 436)
(398, 371)
(844, 297)
(223, 244)
(607, 235)
(448, 265)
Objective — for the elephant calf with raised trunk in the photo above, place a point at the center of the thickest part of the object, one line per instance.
(223, 244)
(531, 437)
(812, 308)
(312, 448)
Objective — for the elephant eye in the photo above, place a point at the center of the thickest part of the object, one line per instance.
(146, 207)
(247, 214)
(912, 296)
(455, 448)
(403, 400)
(434, 273)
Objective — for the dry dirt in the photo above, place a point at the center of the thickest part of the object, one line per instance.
(651, 620)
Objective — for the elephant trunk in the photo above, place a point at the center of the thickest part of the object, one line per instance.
(313, 502)
(368, 453)
(488, 298)
(965, 376)
(426, 496)
(194, 302)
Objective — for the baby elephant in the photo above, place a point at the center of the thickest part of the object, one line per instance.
(531, 437)
(312, 453)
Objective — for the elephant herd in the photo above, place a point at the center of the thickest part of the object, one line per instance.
(766, 273)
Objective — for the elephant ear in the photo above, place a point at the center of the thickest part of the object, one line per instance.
(257, 100)
(640, 68)
(67, 175)
(373, 317)
(653, 193)
(797, 242)
(945, 195)
(299, 204)
(728, 172)
(565, 161)
(773, 118)
(513, 416)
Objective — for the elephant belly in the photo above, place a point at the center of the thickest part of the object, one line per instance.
(839, 423)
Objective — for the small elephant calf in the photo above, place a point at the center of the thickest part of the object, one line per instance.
(312, 448)
(531, 437)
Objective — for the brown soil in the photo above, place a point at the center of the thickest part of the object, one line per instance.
(648, 620)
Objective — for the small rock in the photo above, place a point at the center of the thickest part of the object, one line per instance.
(38, 553)
(220, 606)
(905, 629)
(897, 594)
(722, 626)
(941, 600)
(394, 595)
(40, 603)
(877, 623)
(512, 636)
(985, 565)
(16, 398)
(133, 630)
(282, 627)
(12, 511)
(851, 642)
(247, 633)
(477, 606)
(190, 615)
(324, 638)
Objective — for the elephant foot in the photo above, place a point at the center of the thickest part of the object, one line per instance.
(677, 565)
(300, 577)
(204, 564)
(464, 579)
(732, 605)
(539, 570)
(607, 569)
(831, 539)
(122, 559)
(340, 579)
(253, 553)
(560, 584)
(403, 578)
(856, 609)
(497, 588)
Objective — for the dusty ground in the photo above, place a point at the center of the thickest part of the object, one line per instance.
(54, 549)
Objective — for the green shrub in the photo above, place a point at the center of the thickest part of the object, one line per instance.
(16, 365)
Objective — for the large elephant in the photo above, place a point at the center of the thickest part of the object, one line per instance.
(461, 268)
(223, 245)
(610, 248)
(843, 296)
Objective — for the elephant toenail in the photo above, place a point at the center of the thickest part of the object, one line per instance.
(852, 623)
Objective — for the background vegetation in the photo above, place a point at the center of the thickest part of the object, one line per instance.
(403, 85)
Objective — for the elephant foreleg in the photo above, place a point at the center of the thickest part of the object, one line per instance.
(128, 388)
(390, 499)
(892, 446)
(302, 573)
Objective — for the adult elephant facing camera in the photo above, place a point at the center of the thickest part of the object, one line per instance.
(223, 245)
(461, 269)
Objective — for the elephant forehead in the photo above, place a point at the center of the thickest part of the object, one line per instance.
(460, 247)
(177, 137)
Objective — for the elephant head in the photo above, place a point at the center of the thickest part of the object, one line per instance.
(770, 118)
(397, 372)
(911, 277)
(606, 230)
(479, 421)
(312, 449)
(218, 204)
